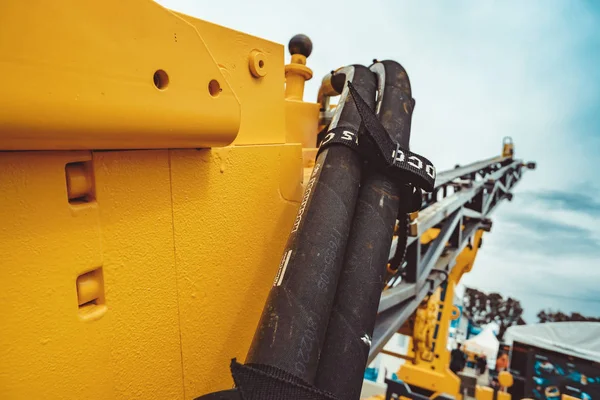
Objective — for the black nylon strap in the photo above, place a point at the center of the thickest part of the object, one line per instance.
(377, 146)
(403, 163)
(265, 382)
(341, 135)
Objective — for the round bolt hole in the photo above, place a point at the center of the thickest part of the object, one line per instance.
(161, 79)
(261, 63)
(214, 88)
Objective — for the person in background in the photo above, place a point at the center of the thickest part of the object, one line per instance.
(481, 364)
(481, 368)
(501, 365)
(502, 362)
(457, 359)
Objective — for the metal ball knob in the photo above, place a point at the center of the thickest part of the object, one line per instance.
(300, 44)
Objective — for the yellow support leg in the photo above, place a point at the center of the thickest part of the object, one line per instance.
(429, 368)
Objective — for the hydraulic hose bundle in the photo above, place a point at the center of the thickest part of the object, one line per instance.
(344, 355)
(292, 328)
(313, 338)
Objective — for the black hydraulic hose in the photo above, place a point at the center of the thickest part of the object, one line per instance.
(346, 349)
(292, 328)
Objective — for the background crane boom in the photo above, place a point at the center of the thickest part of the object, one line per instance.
(460, 205)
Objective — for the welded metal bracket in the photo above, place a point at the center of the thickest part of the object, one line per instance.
(109, 75)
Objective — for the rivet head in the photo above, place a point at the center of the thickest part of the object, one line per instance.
(257, 63)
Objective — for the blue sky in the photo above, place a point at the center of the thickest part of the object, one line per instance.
(481, 70)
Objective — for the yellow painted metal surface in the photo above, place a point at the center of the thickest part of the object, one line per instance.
(229, 233)
(138, 274)
(484, 393)
(503, 396)
(296, 74)
(186, 268)
(262, 111)
(299, 124)
(48, 345)
(111, 75)
(42, 337)
(425, 322)
(505, 379)
(567, 397)
(300, 115)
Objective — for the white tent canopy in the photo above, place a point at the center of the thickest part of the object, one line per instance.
(577, 339)
(484, 343)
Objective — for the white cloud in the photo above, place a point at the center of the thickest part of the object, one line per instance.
(543, 257)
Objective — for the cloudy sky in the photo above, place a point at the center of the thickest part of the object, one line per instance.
(481, 70)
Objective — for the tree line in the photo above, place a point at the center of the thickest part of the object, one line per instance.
(484, 308)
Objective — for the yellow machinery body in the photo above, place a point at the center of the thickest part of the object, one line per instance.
(151, 166)
(136, 259)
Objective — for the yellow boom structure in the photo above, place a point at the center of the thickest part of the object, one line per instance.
(429, 359)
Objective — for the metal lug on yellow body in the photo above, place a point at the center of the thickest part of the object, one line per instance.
(90, 295)
(80, 184)
(296, 72)
(257, 63)
(77, 183)
(301, 116)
